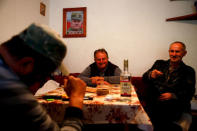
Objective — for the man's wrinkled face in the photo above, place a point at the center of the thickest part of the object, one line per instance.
(101, 60)
(176, 52)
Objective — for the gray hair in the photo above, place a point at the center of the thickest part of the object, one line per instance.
(183, 44)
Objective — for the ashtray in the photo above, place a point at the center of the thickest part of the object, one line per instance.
(102, 91)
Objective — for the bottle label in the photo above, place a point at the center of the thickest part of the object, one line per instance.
(125, 88)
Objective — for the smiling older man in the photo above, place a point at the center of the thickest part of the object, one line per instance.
(102, 70)
(171, 88)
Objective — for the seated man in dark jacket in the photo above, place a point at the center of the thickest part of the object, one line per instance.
(171, 88)
(101, 70)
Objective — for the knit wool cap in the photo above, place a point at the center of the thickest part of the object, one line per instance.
(45, 41)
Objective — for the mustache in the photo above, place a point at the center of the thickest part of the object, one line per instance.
(173, 56)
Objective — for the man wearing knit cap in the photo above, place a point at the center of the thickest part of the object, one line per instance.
(26, 60)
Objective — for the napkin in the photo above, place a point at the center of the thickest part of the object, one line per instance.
(48, 86)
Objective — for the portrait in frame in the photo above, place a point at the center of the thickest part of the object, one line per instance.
(74, 22)
(42, 8)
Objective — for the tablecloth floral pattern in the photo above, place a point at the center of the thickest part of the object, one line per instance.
(111, 108)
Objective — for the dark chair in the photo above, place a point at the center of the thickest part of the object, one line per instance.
(74, 74)
(140, 88)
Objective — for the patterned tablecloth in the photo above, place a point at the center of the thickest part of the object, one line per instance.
(111, 108)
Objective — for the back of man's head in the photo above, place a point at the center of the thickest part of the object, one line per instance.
(41, 43)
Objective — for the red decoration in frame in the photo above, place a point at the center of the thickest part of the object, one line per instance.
(74, 22)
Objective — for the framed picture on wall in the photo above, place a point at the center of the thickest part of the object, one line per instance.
(74, 22)
(42, 8)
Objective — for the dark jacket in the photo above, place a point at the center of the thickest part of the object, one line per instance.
(94, 71)
(181, 82)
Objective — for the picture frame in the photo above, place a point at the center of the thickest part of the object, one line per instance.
(74, 22)
(42, 8)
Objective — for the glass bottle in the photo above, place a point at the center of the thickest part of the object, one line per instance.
(125, 81)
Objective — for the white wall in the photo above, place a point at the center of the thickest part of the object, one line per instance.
(15, 15)
(133, 29)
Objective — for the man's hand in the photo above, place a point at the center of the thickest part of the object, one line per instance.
(166, 96)
(75, 88)
(155, 73)
(96, 79)
(102, 83)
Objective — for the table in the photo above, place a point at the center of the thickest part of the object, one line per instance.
(105, 109)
